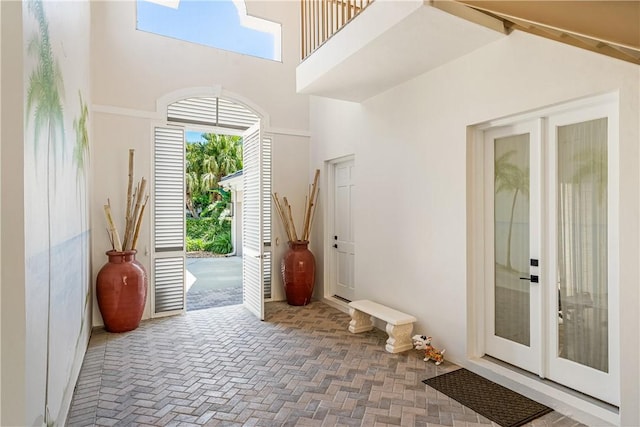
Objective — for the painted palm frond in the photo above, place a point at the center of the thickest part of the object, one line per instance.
(510, 178)
(81, 149)
(45, 87)
(592, 169)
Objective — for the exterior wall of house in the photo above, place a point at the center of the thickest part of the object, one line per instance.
(411, 203)
(45, 232)
(132, 70)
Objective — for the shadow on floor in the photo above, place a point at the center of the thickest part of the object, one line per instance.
(213, 282)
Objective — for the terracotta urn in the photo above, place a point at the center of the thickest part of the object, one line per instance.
(121, 290)
(298, 273)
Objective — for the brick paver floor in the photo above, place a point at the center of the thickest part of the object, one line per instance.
(224, 367)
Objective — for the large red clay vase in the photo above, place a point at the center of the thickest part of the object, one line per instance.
(121, 289)
(298, 273)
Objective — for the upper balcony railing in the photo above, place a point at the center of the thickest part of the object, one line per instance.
(323, 18)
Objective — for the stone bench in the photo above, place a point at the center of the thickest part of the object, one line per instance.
(399, 324)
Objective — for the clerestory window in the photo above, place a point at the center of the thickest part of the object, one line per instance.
(223, 24)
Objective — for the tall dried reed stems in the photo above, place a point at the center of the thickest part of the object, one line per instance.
(136, 203)
(284, 211)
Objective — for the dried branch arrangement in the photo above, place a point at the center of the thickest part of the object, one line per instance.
(284, 211)
(137, 199)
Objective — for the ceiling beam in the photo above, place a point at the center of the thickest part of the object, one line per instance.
(608, 27)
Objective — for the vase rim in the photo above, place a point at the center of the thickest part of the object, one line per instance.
(113, 252)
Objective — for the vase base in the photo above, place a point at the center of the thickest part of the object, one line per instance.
(298, 303)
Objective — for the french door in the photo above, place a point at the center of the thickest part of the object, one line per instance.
(550, 284)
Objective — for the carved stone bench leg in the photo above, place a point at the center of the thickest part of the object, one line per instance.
(360, 322)
(399, 338)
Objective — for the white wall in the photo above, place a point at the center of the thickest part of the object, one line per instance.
(410, 146)
(132, 70)
(0, 223)
(12, 312)
(290, 166)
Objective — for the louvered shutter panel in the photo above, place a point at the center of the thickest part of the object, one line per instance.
(168, 191)
(266, 216)
(212, 111)
(252, 226)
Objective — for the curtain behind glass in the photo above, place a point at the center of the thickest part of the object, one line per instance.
(582, 243)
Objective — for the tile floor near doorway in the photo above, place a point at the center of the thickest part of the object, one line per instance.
(222, 366)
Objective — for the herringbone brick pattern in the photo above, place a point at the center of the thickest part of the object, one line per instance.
(209, 298)
(223, 367)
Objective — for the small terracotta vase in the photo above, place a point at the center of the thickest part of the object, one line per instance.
(298, 273)
(121, 289)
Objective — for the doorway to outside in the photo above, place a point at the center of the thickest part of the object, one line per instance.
(218, 116)
(213, 265)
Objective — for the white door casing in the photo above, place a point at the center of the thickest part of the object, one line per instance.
(342, 238)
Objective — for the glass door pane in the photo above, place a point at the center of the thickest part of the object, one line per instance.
(511, 238)
(582, 244)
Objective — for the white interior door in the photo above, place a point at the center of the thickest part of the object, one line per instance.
(253, 226)
(343, 247)
(168, 284)
(550, 276)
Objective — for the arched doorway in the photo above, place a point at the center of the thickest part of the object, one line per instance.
(220, 115)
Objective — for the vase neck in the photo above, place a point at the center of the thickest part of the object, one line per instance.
(298, 244)
(121, 256)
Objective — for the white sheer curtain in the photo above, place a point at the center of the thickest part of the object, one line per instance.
(582, 243)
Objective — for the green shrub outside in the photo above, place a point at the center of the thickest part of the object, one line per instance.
(222, 243)
(209, 234)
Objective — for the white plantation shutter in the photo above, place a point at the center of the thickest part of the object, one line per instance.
(168, 216)
(266, 216)
(212, 111)
(252, 227)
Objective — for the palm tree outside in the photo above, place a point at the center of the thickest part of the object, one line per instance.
(207, 162)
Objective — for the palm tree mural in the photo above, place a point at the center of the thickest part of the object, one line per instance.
(80, 158)
(509, 177)
(44, 105)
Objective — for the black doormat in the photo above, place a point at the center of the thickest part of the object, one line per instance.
(491, 400)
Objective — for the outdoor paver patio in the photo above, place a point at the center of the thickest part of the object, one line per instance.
(218, 282)
(224, 367)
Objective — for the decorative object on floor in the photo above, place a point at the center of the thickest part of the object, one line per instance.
(121, 290)
(121, 285)
(423, 342)
(298, 264)
(399, 324)
(493, 401)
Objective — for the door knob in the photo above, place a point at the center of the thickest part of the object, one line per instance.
(335, 246)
